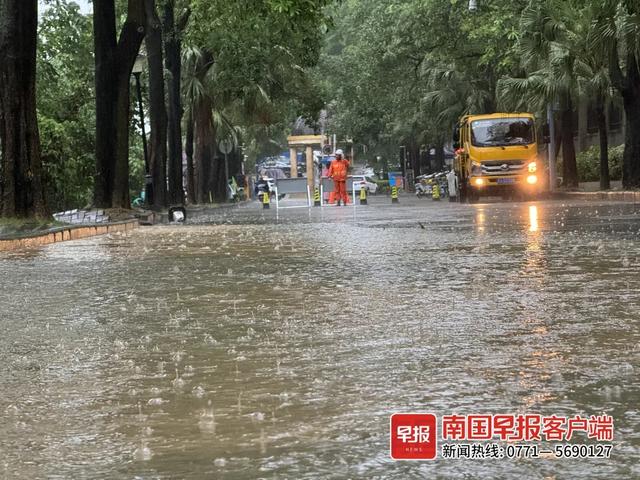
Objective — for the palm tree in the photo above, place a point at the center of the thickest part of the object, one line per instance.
(593, 78)
(551, 73)
(616, 36)
(451, 94)
(206, 125)
(198, 65)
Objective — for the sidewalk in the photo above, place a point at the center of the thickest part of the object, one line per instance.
(62, 234)
(612, 196)
(616, 186)
(590, 191)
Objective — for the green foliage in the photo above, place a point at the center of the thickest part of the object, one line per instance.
(557, 59)
(589, 164)
(261, 52)
(66, 105)
(136, 156)
(68, 162)
(383, 186)
(17, 227)
(402, 72)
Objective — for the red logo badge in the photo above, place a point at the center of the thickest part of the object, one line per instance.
(413, 436)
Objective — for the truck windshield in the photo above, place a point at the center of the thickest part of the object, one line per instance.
(502, 132)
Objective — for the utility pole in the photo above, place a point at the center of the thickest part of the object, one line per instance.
(148, 188)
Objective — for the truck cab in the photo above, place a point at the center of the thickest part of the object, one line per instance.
(496, 154)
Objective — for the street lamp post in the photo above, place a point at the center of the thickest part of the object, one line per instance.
(226, 147)
(148, 187)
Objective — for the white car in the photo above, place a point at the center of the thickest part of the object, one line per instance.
(366, 182)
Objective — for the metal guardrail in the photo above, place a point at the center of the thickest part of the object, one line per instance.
(285, 186)
(291, 185)
(326, 184)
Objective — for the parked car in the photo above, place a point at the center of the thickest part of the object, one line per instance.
(366, 182)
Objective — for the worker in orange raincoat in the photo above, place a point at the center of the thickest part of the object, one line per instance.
(338, 171)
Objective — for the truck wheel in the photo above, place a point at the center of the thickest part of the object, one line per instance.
(472, 196)
(462, 192)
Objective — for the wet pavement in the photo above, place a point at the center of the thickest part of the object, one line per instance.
(275, 344)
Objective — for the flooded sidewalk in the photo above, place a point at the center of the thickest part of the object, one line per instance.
(256, 343)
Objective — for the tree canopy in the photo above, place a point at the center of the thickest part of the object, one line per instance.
(402, 72)
(388, 73)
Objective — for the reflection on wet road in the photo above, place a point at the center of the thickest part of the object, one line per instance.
(263, 344)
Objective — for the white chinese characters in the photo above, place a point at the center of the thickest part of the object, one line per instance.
(413, 434)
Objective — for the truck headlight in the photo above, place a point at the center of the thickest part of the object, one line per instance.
(532, 179)
(533, 167)
(476, 169)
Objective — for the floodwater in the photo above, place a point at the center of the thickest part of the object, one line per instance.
(263, 344)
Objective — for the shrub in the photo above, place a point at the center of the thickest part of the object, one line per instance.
(589, 164)
(383, 186)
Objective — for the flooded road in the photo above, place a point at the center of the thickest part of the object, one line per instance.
(263, 344)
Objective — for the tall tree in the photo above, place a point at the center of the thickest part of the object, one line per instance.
(188, 150)
(200, 121)
(422, 83)
(173, 31)
(618, 36)
(552, 72)
(255, 68)
(21, 190)
(114, 58)
(157, 107)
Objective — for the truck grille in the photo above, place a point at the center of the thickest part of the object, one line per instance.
(503, 167)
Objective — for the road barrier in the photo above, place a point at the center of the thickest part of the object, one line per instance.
(327, 186)
(285, 186)
(317, 201)
(363, 196)
(394, 194)
(435, 192)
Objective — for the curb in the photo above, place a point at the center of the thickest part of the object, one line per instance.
(629, 197)
(153, 217)
(62, 234)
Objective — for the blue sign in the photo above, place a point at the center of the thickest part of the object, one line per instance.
(395, 179)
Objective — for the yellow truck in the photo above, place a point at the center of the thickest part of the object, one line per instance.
(496, 154)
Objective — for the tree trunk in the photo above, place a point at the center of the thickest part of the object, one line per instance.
(569, 166)
(583, 119)
(629, 87)
(439, 157)
(605, 183)
(204, 135)
(114, 60)
(218, 180)
(21, 189)
(631, 98)
(415, 160)
(188, 149)
(157, 108)
(173, 48)
(631, 158)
